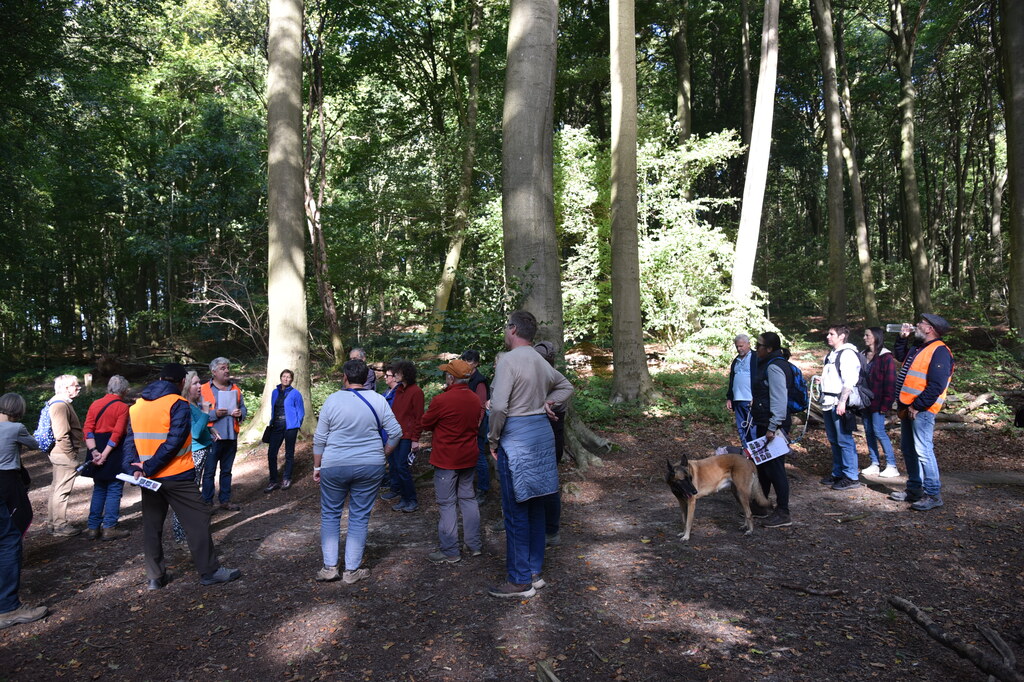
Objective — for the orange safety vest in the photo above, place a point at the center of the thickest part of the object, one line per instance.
(917, 378)
(151, 422)
(206, 393)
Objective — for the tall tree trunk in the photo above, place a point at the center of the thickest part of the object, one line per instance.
(632, 379)
(443, 291)
(680, 40)
(286, 264)
(860, 220)
(1011, 22)
(748, 104)
(528, 209)
(905, 39)
(822, 12)
(757, 157)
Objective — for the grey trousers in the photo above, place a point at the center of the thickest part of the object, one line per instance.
(184, 498)
(450, 485)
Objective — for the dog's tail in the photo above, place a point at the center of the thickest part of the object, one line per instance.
(756, 494)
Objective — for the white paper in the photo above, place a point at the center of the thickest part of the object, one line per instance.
(141, 481)
(226, 400)
(761, 450)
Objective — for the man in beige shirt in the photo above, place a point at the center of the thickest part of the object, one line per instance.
(68, 442)
(525, 387)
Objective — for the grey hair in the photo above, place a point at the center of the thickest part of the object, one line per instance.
(117, 384)
(741, 337)
(217, 362)
(359, 353)
(459, 381)
(63, 381)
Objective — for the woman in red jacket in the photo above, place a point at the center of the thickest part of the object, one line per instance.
(408, 409)
(105, 425)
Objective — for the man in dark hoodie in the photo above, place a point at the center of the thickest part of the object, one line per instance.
(158, 445)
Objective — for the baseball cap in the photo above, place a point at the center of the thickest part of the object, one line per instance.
(460, 369)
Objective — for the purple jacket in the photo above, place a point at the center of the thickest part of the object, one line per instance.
(881, 380)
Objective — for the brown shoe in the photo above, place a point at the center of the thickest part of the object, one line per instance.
(115, 533)
(21, 615)
(512, 590)
(92, 534)
(229, 506)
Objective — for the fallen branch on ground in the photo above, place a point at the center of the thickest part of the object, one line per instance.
(985, 662)
(812, 591)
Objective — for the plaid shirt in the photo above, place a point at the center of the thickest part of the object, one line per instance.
(882, 382)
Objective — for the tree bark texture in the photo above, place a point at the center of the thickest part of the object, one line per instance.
(632, 381)
(288, 342)
(748, 104)
(757, 157)
(680, 40)
(822, 12)
(1011, 22)
(528, 210)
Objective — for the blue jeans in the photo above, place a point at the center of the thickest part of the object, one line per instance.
(741, 411)
(400, 464)
(483, 460)
(359, 484)
(524, 529)
(106, 503)
(221, 452)
(10, 561)
(278, 436)
(874, 433)
(844, 450)
(919, 455)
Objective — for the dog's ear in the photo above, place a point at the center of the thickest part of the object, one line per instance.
(683, 461)
(671, 470)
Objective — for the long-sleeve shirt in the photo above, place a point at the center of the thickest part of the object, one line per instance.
(841, 371)
(523, 383)
(454, 417)
(940, 369)
(13, 435)
(408, 408)
(114, 419)
(347, 431)
(68, 438)
(881, 380)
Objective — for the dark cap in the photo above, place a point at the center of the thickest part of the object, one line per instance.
(938, 323)
(173, 372)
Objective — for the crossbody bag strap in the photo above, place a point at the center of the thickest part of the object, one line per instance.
(367, 403)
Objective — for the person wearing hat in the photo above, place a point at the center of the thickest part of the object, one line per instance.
(158, 445)
(454, 416)
(921, 386)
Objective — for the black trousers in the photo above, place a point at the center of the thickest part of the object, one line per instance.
(184, 498)
(773, 474)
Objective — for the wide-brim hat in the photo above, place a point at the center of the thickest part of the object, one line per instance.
(459, 369)
(938, 323)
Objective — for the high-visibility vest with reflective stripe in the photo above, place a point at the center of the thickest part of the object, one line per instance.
(206, 392)
(151, 423)
(917, 378)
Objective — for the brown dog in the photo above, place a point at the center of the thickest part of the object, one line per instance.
(690, 480)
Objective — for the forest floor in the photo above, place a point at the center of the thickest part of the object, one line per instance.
(626, 599)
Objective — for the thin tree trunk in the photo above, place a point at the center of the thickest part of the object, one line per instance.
(286, 263)
(822, 12)
(680, 41)
(443, 291)
(860, 221)
(757, 157)
(748, 104)
(1011, 23)
(632, 380)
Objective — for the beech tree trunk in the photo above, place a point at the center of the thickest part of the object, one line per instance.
(757, 157)
(748, 104)
(443, 291)
(1011, 22)
(286, 262)
(632, 380)
(822, 13)
(680, 41)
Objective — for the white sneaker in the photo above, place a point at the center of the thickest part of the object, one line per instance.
(870, 471)
(889, 472)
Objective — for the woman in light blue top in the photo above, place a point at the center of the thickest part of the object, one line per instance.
(203, 436)
(348, 462)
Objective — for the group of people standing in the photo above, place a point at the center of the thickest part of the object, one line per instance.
(854, 387)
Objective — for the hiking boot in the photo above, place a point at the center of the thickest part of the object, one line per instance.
(538, 582)
(845, 483)
(328, 574)
(158, 583)
(65, 531)
(778, 519)
(872, 470)
(286, 483)
(759, 512)
(114, 533)
(355, 576)
(474, 552)
(92, 534)
(442, 558)
(21, 615)
(389, 495)
(229, 506)
(830, 480)
(927, 503)
(553, 540)
(407, 507)
(889, 472)
(271, 487)
(221, 575)
(906, 495)
(512, 591)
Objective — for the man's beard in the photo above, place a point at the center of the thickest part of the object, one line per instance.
(918, 334)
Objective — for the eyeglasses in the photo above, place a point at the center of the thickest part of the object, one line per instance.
(388, 375)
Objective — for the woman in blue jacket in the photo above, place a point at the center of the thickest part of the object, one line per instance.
(289, 411)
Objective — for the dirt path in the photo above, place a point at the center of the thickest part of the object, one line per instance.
(626, 599)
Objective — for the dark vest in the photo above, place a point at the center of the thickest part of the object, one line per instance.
(760, 406)
(476, 379)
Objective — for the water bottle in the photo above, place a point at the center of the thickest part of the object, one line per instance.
(894, 328)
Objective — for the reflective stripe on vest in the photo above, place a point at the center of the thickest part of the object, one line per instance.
(151, 423)
(917, 378)
(206, 394)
